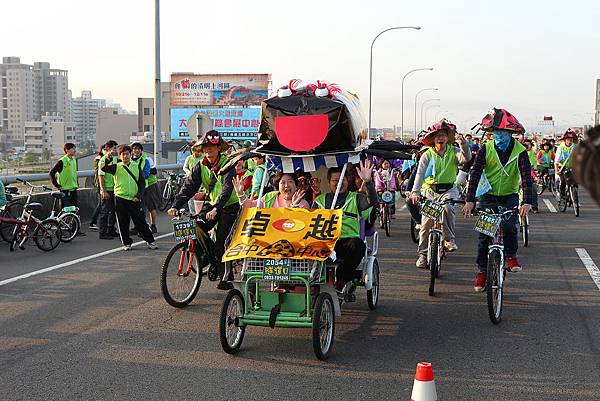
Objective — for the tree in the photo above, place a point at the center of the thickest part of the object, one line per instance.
(31, 157)
(46, 155)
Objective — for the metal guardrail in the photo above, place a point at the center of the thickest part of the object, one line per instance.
(9, 179)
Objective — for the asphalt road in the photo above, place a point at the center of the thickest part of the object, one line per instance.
(100, 330)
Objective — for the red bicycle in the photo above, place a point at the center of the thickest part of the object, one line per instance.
(46, 234)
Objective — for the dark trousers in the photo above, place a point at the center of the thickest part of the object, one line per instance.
(509, 226)
(225, 220)
(351, 251)
(125, 210)
(107, 218)
(70, 198)
(97, 209)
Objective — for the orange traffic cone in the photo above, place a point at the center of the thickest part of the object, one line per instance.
(424, 386)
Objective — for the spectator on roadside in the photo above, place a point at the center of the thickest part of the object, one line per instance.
(129, 188)
(259, 173)
(2, 194)
(193, 159)
(107, 218)
(151, 198)
(94, 222)
(64, 176)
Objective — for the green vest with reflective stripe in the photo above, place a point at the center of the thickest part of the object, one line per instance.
(213, 182)
(532, 158)
(125, 186)
(152, 179)
(192, 161)
(565, 161)
(546, 158)
(109, 181)
(445, 169)
(503, 179)
(350, 214)
(269, 199)
(67, 178)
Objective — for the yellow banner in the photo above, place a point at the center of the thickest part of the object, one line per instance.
(285, 233)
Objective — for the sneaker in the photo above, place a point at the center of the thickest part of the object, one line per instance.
(126, 247)
(93, 226)
(513, 265)
(422, 262)
(479, 284)
(535, 209)
(224, 286)
(450, 245)
(153, 229)
(152, 245)
(106, 236)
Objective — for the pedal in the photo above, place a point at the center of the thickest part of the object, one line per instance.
(212, 274)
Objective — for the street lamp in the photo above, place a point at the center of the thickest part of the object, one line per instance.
(423, 104)
(427, 109)
(402, 91)
(157, 87)
(371, 64)
(416, 95)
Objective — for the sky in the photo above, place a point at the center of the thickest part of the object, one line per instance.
(531, 57)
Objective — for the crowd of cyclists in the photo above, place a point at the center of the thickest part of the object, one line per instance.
(500, 167)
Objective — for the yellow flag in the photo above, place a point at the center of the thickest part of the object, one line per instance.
(289, 233)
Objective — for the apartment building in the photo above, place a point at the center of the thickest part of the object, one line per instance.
(84, 114)
(50, 134)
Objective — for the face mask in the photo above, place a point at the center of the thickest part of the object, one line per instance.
(502, 139)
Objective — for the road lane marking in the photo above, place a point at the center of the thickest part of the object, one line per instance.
(589, 264)
(550, 206)
(73, 262)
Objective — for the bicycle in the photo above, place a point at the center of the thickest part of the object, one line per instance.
(489, 223)
(570, 197)
(545, 180)
(11, 210)
(67, 218)
(46, 234)
(186, 263)
(436, 251)
(171, 189)
(386, 201)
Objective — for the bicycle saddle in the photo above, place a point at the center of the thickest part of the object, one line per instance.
(34, 206)
(58, 195)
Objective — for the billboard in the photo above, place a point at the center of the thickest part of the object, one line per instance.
(231, 123)
(218, 89)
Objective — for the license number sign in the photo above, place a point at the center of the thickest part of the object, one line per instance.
(487, 224)
(184, 230)
(431, 209)
(276, 269)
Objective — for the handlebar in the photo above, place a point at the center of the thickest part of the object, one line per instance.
(513, 211)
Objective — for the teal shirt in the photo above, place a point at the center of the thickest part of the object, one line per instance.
(2, 194)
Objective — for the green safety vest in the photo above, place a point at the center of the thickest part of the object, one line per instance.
(109, 180)
(213, 183)
(350, 214)
(445, 169)
(532, 158)
(152, 179)
(125, 186)
(565, 155)
(546, 158)
(270, 198)
(67, 178)
(192, 161)
(504, 180)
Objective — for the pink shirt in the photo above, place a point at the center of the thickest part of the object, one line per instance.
(279, 202)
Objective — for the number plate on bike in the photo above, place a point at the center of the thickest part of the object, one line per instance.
(487, 224)
(431, 209)
(184, 230)
(277, 269)
(387, 196)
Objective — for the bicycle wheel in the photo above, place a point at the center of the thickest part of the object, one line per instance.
(165, 199)
(230, 333)
(494, 286)
(563, 203)
(387, 221)
(323, 326)
(178, 286)
(575, 199)
(414, 233)
(434, 259)
(373, 293)
(47, 235)
(525, 230)
(11, 211)
(539, 186)
(69, 226)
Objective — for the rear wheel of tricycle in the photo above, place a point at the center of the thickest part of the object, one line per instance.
(323, 326)
(373, 293)
(230, 333)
